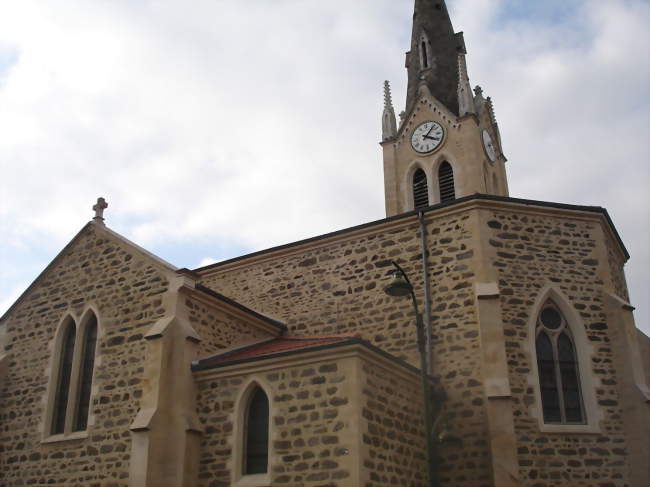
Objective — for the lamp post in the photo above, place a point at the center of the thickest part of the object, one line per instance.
(402, 287)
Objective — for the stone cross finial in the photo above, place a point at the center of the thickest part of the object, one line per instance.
(99, 210)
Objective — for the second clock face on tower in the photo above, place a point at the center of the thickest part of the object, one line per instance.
(427, 137)
(488, 144)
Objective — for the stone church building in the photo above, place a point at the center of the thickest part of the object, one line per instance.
(293, 367)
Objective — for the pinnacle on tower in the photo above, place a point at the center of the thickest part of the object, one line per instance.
(465, 97)
(434, 54)
(388, 121)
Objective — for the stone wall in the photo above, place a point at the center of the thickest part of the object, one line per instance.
(125, 288)
(335, 286)
(312, 419)
(218, 329)
(393, 450)
(531, 251)
(616, 263)
(644, 348)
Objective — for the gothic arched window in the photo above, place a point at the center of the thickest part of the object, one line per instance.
(420, 190)
(256, 434)
(72, 382)
(86, 373)
(446, 182)
(63, 377)
(557, 366)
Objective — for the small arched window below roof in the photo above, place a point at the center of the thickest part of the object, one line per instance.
(557, 366)
(446, 182)
(256, 434)
(420, 190)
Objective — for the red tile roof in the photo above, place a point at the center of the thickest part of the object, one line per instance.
(275, 346)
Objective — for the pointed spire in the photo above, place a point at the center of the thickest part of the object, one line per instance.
(434, 54)
(388, 97)
(465, 98)
(388, 122)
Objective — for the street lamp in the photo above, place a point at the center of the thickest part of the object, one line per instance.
(401, 287)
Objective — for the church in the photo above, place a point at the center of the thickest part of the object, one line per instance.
(468, 339)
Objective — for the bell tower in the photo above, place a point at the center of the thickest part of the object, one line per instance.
(447, 143)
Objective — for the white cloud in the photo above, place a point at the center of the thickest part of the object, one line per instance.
(256, 123)
(206, 261)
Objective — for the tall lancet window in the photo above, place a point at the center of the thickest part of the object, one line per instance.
(557, 365)
(74, 363)
(425, 55)
(256, 434)
(446, 182)
(63, 378)
(420, 190)
(86, 373)
(425, 63)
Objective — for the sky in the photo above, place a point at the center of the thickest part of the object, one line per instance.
(215, 128)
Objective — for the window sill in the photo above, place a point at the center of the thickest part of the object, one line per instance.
(77, 435)
(263, 480)
(570, 428)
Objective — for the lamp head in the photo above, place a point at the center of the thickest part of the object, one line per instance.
(399, 287)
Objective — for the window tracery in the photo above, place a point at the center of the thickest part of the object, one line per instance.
(72, 378)
(557, 367)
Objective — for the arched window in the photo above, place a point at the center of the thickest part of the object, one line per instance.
(63, 377)
(86, 373)
(446, 182)
(72, 386)
(424, 51)
(420, 190)
(425, 55)
(557, 366)
(256, 434)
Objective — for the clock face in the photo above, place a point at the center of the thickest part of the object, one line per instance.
(427, 137)
(488, 144)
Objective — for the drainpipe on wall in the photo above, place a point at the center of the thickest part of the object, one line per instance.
(427, 292)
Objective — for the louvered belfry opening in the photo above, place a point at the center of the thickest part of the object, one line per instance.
(446, 182)
(420, 190)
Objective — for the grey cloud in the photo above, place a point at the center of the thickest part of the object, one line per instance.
(257, 122)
